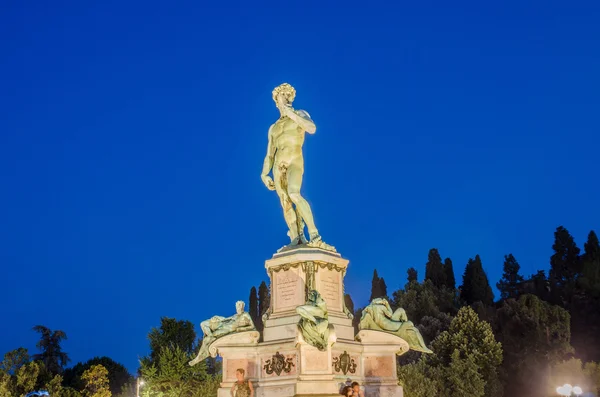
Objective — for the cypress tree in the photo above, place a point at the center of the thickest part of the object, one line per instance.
(449, 271)
(412, 274)
(264, 301)
(434, 270)
(253, 306)
(510, 284)
(382, 288)
(565, 266)
(349, 303)
(476, 287)
(375, 286)
(591, 264)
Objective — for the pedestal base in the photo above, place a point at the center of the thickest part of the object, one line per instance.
(284, 365)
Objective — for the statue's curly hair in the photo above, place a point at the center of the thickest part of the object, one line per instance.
(287, 90)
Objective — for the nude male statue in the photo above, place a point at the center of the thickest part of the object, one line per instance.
(218, 326)
(284, 158)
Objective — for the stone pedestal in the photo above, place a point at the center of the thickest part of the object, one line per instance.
(283, 364)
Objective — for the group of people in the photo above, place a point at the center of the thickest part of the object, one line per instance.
(353, 390)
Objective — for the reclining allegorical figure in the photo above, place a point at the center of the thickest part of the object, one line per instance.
(378, 316)
(217, 327)
(314, 321)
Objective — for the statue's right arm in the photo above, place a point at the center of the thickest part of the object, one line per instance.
(268, 163)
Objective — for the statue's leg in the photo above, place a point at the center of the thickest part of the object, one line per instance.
(294, 182)
(286, 203)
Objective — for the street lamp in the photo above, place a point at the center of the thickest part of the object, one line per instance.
(565, 390)
(577, 390)
(139, 382)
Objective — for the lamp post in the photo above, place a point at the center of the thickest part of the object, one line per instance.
(138, 383)
(565, 390)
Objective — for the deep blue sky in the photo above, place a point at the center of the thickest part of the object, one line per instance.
(132, 136)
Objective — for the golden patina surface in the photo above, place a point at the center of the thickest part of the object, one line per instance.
(285, 160)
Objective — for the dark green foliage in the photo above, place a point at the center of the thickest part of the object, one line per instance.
(465, 363)
(382, 288)
(412, 274)
(434, 269)
(51, 355)
(253, 306)
(476, 287)
(356, 320)
(424, 299)
(539, 285)
(349, 303)
(565, 267)
(264, 301)
(510, 285)
(590, 279)
(449, 271)
(166, 370)
(13, 360)
(376, 285)
(431, 327)
(534, 335)
(172, 333)
(118, 376)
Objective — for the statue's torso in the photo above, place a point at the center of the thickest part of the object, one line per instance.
(288, 139)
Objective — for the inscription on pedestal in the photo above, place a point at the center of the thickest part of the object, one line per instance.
(330, 288)
(289, 290)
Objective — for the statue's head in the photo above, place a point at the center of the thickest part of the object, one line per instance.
(239, 307)
(313, 296)
(284, 94)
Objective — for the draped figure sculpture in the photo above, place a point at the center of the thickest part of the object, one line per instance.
(314, 320)
(284, 158)
(218, 326)
(378, 316)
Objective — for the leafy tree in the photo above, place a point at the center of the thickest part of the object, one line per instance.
(417, 299)
(118, 376)
(54, 386)
(421, 379)
(412, 274)
(434, 269)
(264, 301)
(432, 326)
(510, 284)
(534, 335)
(171, 375)
(51, 355)
(168, 373)
(253, 306)
(591, 265)
(476, 287)
(27, 377)
(5, 384)
(96, 382)
(171, 334)
(13, 360)
(449, 271)
(539, 285)
(565, 266)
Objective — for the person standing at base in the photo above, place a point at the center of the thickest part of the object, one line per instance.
(242, 387)
(356, 391)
